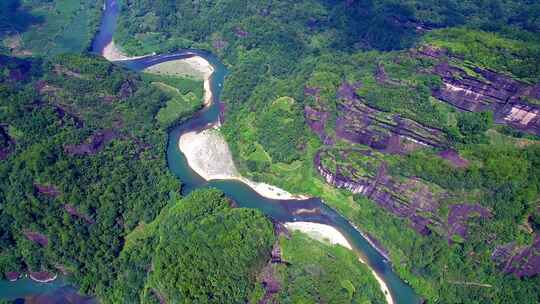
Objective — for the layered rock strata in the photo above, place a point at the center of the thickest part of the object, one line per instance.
(477, 89)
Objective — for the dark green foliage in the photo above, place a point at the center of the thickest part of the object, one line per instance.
(279, 49)
(113, 186)
(275, 49)
(212, 257)
(473, 126)
(48, 27)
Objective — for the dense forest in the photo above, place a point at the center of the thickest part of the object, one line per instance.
(426, 112)
(85, 191)
(200, 250)
(82, 165)
(321, 273)
(417, 120)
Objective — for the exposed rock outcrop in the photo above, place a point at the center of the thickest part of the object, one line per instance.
(521, 261)
(458, 216)
(479, 89)
(127, 89)
(316, 120)
(412, 199)
(359, 123)
(454, 158)
(12, 276)
(93, 144)
(240, 33)
(36, 237)
(42, 276)
(520, 116)
(7, 144)
(72, 210)
(47, 190)
(270, 284)
(317, 116)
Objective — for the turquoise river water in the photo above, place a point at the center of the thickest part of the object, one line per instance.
(243, 195)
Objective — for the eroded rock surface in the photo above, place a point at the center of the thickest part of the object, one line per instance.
(521, 261)
(460, 214)
(480, 89)
(93, 144)
(520, 116)
(412, 199)
(36, 237)
(72, 210)
(391, 133)
(12, 276)
(47, 190)
(454, 158)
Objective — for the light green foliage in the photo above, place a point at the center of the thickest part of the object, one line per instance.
(178, 107)
(490, 50)
(321, 273)
(281, 130)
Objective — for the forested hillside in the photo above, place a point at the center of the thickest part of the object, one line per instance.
(200, 250)
(82, 165)
(85, 192)
(419, 121)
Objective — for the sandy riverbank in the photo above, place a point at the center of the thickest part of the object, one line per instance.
(42, 277)
(320, 232)
(113, 53)
(209, 156)
(195, 67)
(329, 234)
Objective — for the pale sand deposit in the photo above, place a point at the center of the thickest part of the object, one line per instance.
(329, 234)
(48, 280)
(320, 232)
(112, 53)
(195, 67)
(208, 154)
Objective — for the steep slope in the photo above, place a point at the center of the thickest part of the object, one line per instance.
(82, 165)
(434, 146)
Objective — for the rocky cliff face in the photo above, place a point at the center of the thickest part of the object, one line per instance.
(521, 261)
(358, 123)
(520, 116)
(359, 186)
(7, 144)
(481, 89)
(411, 199)
(93, 144)
(386, 132)
(363, 172)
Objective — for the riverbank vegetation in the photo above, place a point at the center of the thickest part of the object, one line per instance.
(84, 143)
(185, 97)
(82, 165)
(361, 75)
(321, 272)
(213, 257)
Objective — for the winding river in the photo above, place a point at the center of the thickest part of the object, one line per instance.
(242, 194)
